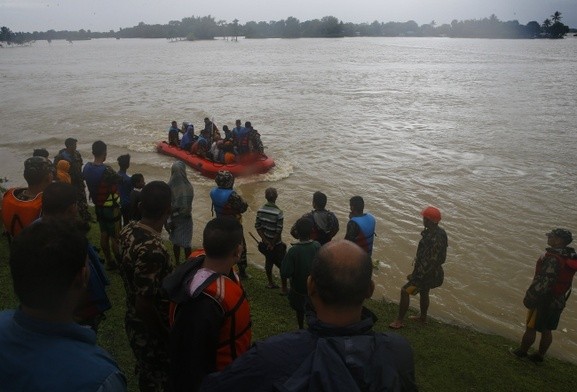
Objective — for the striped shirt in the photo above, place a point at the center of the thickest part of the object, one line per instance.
(269, 219)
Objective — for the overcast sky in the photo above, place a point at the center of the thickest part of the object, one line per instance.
(104, 15)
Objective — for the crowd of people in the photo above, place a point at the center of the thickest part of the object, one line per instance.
(237, 145)
(189, 323)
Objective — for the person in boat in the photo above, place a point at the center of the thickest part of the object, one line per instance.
(173, 137)
(254, 142)
(210, 316)
(546, 297)
(229, 157)
(339, 351)
(428, 267)
(188, 138)
(226, 202)
(361, 226)
(227, 133)
(240, 138)
(201, 146)
(325, 222)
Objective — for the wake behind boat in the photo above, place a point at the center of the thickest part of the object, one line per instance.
(252, 163)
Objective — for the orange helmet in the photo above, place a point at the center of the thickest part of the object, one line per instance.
(432, 213)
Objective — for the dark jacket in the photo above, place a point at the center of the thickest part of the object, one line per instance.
(324, 357)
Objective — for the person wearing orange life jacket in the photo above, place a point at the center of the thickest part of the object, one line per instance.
(207, 285)
(361, 226)
(22, 206)
(546, 296)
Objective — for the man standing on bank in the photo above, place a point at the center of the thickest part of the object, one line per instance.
(361, 226)
(428, 267)
(227, 203)
(325, 222)
(269, 225)
(549, 291)
(144, 264)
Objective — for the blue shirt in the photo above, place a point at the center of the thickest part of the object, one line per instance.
(125, 189)
(41, 356)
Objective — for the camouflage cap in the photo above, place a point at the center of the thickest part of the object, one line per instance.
(564, 234)
(35, 169)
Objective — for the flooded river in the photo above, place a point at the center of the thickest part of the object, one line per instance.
(483, 129)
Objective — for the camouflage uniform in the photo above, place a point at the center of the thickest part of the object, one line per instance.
(539, 295)
(431, 254)
(144, 264)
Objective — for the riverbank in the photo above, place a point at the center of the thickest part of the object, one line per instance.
(447, 357)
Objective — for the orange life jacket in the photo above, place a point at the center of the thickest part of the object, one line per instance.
(235, 334)
(17, 214)
(567, 268)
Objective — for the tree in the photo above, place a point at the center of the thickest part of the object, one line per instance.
(556, 17)
(546, 24)
(6, 35)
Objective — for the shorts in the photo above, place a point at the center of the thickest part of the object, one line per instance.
(543, 319)
(109, 220)
(412, 289)
(273, 256)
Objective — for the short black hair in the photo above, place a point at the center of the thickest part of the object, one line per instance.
(44, 260)
(221, 236)
(40, 152)
(341, 282)
(136, 178)
(304, 228)
(271, 194)
(357, 203)
(247, 124)
(320, 199)
(98, 148)
(123, 161)
(58, 197)
(155, 199)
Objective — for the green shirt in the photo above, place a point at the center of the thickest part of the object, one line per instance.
(297, 263)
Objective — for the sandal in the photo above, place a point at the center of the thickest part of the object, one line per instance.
(396, 325)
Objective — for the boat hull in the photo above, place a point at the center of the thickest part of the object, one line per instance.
(209, 169)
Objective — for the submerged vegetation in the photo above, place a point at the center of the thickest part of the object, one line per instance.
(207, 27)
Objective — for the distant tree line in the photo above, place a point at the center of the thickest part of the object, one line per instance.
(207, 27)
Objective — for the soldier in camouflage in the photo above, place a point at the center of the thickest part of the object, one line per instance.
(144, 264)
(428, 267)
(546, 296)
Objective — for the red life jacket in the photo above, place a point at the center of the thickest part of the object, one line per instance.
(17, 214)
(235, 333)
(567, 268)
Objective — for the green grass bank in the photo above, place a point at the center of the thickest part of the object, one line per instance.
(447, 357)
